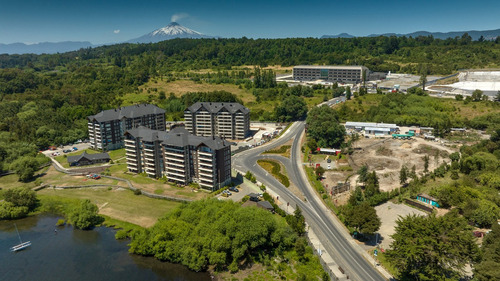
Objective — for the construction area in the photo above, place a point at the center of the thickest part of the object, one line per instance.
(386, 157)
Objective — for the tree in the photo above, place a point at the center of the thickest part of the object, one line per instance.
(312, 145)
(297, 222)
(363, 174)
(497, 98)
(372, 186)
(477, 95)
(21, 196)
(363, 218)
(432, 248)
(319, 172)
(85, 215)
(423, 77)
(356, 197)
(25, 167)
(426, 163)
(348, 95)
(403, 175)
(292, 108)
(488, 268)
(324, 127)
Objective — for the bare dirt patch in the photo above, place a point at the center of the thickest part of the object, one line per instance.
(389, 214)
(387, 156)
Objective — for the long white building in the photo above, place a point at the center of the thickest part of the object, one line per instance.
(222, 119)
(343, 74)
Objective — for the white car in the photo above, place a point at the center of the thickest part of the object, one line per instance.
(329, 167)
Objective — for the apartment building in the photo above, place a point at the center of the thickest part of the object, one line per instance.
(342, 74)
(222, 119)
(107, 127)
(179, 156)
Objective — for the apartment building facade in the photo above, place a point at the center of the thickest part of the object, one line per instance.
(342, 74)
(179, 156)
(106, 128)
(225, 120)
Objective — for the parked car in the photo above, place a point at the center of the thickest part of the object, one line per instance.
(329, 160)
(233, 189)
(226, 192)
(75, 148)
(329, 167)
(93, 176)
(67, 150)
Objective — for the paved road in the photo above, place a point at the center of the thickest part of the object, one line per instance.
(333, 236)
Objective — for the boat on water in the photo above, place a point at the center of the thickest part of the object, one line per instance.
(21, 245)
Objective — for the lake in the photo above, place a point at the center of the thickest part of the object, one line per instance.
(72, 254)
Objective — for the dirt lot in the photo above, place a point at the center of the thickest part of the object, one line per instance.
(388, 214)
(387, 156)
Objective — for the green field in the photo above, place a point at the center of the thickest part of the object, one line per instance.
(120, 204)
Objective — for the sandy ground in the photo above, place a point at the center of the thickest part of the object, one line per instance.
(388, 214)
(387, 156)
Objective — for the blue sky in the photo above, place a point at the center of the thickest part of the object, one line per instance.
(107, 21)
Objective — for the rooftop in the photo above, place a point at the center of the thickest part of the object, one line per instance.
(330, 66)
(370, 124)
(132, 111)
(178, 136)
(91, 157)
(214, 107)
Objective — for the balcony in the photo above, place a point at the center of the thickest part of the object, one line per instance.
(170, 173)
(176, 178)
(175, 164)
(151, 154)
(205, 169)
(206, 184)
(175, 169)
(127, 144)
(174, 159)
(131, 164)
(206, 176)
(175, 154)
(129, 154)
(207, 154)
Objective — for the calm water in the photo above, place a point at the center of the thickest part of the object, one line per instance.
(72, 254)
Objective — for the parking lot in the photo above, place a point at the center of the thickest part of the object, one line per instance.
(244, 189)
(60, 149)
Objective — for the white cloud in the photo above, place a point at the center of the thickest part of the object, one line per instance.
(178, 16)
(116, 31)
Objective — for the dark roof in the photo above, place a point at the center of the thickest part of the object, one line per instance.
(132, 111)
(265, 204)
(214, 107)
(178, 136)
(253, 195)
(91, 157)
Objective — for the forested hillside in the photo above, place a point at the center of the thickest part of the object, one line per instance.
(44, 99)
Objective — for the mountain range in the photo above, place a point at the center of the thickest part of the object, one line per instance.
(487, 34)
(175, 30)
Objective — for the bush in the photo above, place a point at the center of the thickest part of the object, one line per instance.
(121, 234)
(60, 222)
(85, 216)
(137, 191)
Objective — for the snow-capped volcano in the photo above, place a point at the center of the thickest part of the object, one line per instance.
(171, 31)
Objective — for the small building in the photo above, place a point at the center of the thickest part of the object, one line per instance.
(377, 131)
(88, 159)
(428, 199)
(426, 130)
(360, 126)
(265, 205)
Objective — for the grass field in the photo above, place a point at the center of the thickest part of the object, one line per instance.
(150, 91)
(120, 204)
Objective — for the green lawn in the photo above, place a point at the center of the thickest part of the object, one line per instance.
(120, 204)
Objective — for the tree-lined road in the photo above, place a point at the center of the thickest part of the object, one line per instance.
(331, 234)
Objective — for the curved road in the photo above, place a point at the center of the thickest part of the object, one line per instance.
(332, 235)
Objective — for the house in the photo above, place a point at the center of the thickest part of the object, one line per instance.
(265, 205)
(428, 199)
(88, 159)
